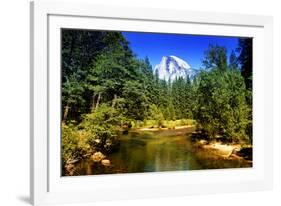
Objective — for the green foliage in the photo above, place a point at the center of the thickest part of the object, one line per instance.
(72, 94)
(171, 124)
(155, 114)
(92, 65)
(182, 97)
(79, 47)
(102, 124)
(74, 143)
(221, 105)
(215, 57)
(233, 61)
(136, 102)
(170, 111)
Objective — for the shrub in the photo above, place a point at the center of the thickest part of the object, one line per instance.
(74, 143)
(154, 113)
(102, 125)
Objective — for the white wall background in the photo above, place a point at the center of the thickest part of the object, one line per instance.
(14, 101)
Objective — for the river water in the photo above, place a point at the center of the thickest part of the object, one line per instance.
(156, 151)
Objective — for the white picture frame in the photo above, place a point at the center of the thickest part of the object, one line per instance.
(47, 185)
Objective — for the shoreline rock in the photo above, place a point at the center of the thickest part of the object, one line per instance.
(69, 169)
(227, 150)
(105, 162)
(98, 156)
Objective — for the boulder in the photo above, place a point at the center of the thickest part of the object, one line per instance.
(97, 157)
(69, 169)
(202, 141)
(105, 162)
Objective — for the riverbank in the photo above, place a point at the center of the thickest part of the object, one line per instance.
(162, 149)
(161, 129)
(164, 132)
(226, 152)
(220, 156)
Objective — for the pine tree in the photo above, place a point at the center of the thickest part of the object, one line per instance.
(233, 61)
(245, 59)
(215, 57)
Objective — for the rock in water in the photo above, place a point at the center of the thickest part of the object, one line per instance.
(98, 156)
(105, 162)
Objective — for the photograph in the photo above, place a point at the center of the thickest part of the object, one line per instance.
(137, 102)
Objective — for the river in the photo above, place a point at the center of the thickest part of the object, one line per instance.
(155, 151)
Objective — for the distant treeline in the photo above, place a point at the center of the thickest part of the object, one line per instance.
(104, 86)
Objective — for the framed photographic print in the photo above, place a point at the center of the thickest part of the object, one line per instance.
(126, 105)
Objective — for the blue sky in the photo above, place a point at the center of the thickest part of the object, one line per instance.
(187, 47)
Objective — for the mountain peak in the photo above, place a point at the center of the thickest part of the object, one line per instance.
(172, 67)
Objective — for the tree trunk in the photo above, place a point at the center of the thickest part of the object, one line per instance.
(114, 101)
(93, 102)
(98, 101)
(66, 110)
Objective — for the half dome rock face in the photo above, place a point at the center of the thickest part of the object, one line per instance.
(172, 67)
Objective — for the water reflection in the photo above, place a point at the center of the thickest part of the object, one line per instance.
(154, 152)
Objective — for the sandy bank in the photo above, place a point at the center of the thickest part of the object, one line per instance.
(223, 150)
